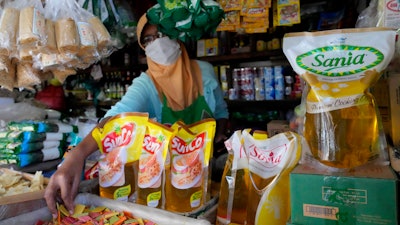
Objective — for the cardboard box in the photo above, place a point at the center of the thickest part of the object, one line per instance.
(394, 96)
(207, 47)
(365, 196)
(277, 126)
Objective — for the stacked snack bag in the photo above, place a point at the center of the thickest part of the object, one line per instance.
(40, 41)
(255, 184)
(148, 163)
(29, 142)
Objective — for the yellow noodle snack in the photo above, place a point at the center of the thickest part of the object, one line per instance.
(102, 34)
(66, 35)
(8, 29)
(341, 121)
(88, 40)
(62, 73)
(7, 73)
(51, 44)
(31, 26)
(27, 76)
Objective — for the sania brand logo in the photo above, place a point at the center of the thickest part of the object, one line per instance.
(179, 145)
(121, 136)
(340, 60)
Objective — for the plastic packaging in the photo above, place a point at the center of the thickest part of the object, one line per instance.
(151, 176)
(8, 30)
(120, 141)
(270, 162)
(233, 196)
(188, 166)
(342, 124)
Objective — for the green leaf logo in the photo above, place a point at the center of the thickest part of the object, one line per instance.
(340, 60)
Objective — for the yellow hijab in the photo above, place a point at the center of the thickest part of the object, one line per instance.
(180, 83)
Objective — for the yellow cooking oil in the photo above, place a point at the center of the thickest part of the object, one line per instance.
(124, 191)
(239, 199)
(150, 173)
(344, 138)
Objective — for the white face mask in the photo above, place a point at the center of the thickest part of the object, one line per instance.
(163, 51)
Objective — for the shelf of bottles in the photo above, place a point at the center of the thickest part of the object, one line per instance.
(83, 90)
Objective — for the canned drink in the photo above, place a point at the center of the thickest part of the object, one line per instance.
(269, 82)
(279, 83)
(259, 84)
(233, 94)
(236, 79)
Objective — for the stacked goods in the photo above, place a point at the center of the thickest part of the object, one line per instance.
(255, 184)
(148, 163)
(250, 16)
(40, 42)
(29, 142)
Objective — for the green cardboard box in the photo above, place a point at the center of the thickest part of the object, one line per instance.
(364, 196)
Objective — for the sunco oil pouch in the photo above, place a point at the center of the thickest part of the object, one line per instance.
(151, 176)
(120, 142)
(342, 125)
(187, 167)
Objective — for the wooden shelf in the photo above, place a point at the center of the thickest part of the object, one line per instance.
(259, 106)
(248, 56)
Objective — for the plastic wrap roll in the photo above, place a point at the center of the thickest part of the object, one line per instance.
(67, 37)
(8, 30)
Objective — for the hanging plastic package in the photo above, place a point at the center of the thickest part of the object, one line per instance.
(342, 125)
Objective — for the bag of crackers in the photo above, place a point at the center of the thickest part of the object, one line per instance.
(341, 123)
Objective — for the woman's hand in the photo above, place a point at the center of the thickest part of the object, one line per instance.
(64, 183)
